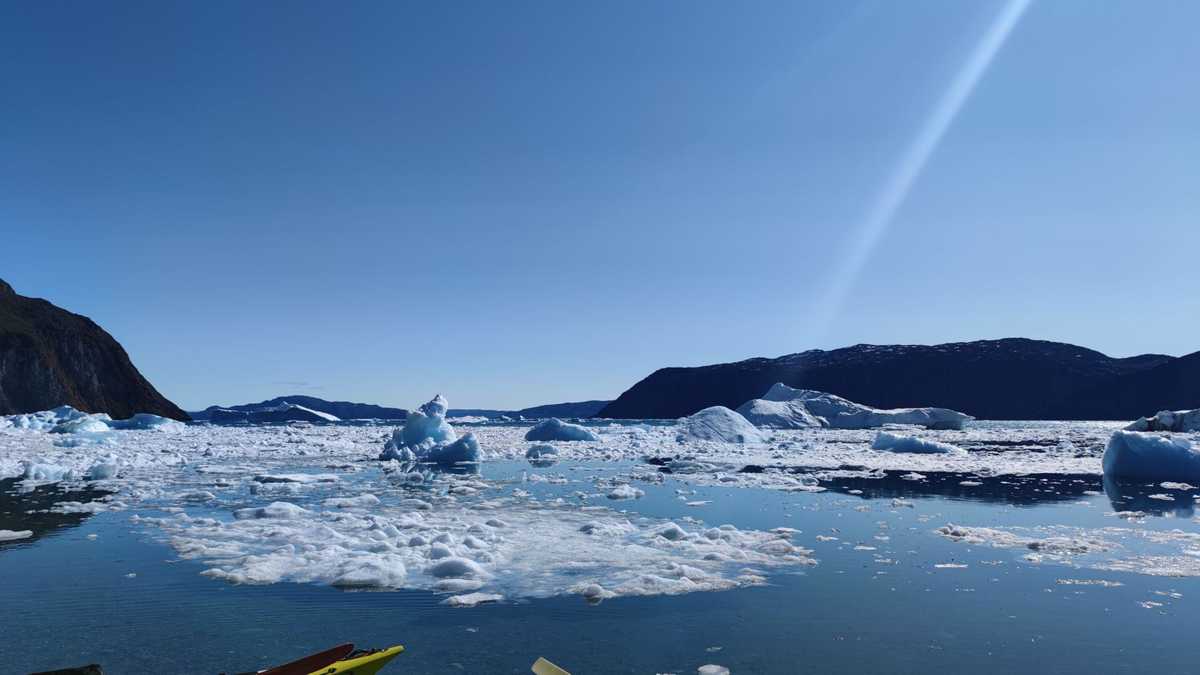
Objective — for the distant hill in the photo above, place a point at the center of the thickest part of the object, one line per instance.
(268, 410)
(576, 409)
(1014, 378)
(341, 409)
(51, 357)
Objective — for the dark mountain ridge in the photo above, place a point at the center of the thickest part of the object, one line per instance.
(51, 357)
(342, 409)
(1012, 378)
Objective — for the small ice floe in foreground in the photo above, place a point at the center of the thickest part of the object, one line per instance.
(537, 550)
(719, 424)
(1168, 420)
(712, 669)
(542, 454)
(13, 535)
(472, 599)
(555, 429)
(1132, 455)
(427, 437)
(625, 492)
(898, 443)
(839, 413)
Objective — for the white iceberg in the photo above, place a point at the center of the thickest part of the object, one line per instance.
(899, 443)
(840, 413)
(67, 420)
(1131, 455)
(427, 437)
(555, 429)
(13, 535)
(778, 414)
(719, 424)
(1168, 420)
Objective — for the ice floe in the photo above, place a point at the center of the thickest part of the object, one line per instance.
(536, 550)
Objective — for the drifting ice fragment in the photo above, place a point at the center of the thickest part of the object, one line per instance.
(912, 444)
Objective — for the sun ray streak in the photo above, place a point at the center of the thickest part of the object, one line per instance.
(867, 236)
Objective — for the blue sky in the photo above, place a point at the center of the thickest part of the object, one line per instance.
(519, 203)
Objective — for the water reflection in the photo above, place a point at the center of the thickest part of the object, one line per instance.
(1149, 498)
(1025, 490)
(24, 508)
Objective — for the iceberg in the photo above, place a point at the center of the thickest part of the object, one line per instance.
(778, 414)
(898, 443)
(427, 437)
(555, 429)
(1131, 455)
(1168, 420)
(840, 413)
(284, 412)
(67, 420)
(719, 424)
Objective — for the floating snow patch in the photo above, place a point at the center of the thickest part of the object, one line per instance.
(274, 510)
(538, 550)
(541, 451)
(46, 472)
(1131, 455)
(1168, 420)
(472, 599)
(719, 424)
(13, 535)
(427, 437)
(898, 443)
(303, 478)
(104, 468)
(625, 492)
(555, 429)
(359, 502)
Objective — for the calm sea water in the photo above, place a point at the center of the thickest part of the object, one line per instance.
(102, 589)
